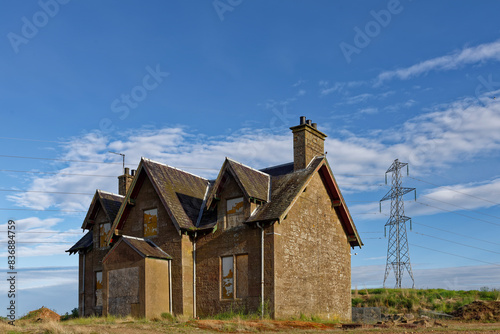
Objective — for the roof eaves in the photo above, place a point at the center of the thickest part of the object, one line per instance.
(344, 207)
(90, 210)
(165, 165)
(124, 204)
(202, 207)
(239, 163)
(236, 177)
(301, 189)
(162, 199)
(216, 183)
(148, 241)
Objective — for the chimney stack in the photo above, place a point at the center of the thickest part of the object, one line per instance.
(124, 181)
(308, 142)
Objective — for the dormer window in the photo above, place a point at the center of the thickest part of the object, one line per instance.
(150, 222)
(103, 232)
(234, 211)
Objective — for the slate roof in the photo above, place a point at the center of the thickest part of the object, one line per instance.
(109, 202)
(145, 248)
(187, 198)
(279, 169)
(285, 188)
(181, 192)
(82, 244)
(253, 183)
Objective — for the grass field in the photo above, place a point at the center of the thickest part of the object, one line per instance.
(130, 326)
(414, 300)
(390, 300)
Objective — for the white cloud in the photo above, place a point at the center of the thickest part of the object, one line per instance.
(469, 55)
(53, 287)
(326, 89)
(369, 111)
(458, 132)
(40, 237)
(452, 278)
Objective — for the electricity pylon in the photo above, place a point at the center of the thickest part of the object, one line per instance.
(398, 255)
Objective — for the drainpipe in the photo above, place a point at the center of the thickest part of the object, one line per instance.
(261, 270)
(83, 288)
(194, 274)
(170, 286)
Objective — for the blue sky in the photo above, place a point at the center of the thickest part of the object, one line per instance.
(188, 83)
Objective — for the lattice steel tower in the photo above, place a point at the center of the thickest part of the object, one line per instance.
(398, 255)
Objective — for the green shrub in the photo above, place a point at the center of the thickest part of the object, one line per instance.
(357, 302)
(168, 316)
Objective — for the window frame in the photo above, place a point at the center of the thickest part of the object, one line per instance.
(144, 224)
(227, 215)
(95, 287)
(235, 279)
(102, 243)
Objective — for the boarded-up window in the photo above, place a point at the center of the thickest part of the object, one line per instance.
(98, 288)
(234, 280)
(150, 222)
(234, 212)
(103, 232)
(241, 276)
(227, 283)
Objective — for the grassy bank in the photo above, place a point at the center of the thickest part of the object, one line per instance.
(414, 300)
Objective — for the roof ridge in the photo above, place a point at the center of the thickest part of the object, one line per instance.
(239, 163)
(168, 166)
(203, 204)
(314, 158)
(109, 193)
(131, 237)
(280, 165)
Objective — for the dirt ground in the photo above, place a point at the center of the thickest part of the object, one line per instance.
(42, 314)
(477, 317)
(239, 326)
(479, 310)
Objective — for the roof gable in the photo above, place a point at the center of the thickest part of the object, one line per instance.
(106, 201)
(253, 183)
(287, 188)
(143, 247)
(181, 193)
(82, 244)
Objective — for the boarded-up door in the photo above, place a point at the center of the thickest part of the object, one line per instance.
(123, 290)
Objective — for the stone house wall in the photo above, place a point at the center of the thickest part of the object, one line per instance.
(168, 239)
(239, 240)
(312, 260)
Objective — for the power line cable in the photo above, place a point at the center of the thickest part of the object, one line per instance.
(458, 213)
(464, 257)
(454, 242)
(52, 232)
(38, 140)
(461, 207)
(460, 192)
(46, 192)
(461, 235)
(40, 242)
(64, 160)
(51, 210)
(54, 173)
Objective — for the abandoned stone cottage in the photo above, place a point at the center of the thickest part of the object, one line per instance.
(171, 241)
